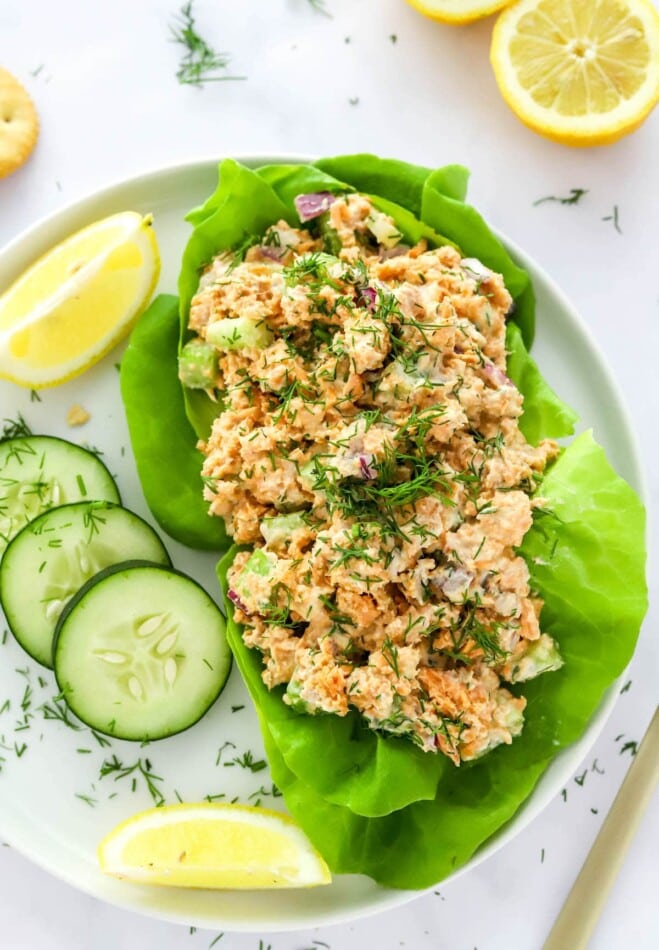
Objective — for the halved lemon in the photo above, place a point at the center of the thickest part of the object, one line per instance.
(458, 11)
(212, 846)
(75, 303)
(582, 73)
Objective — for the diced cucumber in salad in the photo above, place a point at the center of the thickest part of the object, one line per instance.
(239, 333)
(197, 365)
(139, 649)
(278, 529)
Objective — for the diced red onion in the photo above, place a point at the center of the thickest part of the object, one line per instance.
(366, 468)
(456, 583)
(496, 375)
(272, 252)
(313, 205)
(368, 298)
(235, 599)
(396, 251)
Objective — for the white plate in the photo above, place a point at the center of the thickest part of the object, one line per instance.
(40, 812)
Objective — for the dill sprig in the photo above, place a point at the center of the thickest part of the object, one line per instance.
(320, 7)
(575, 196)
(15, 429)
(142, 768)
(200, 62)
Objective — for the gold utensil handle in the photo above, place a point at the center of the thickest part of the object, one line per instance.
(581, 910)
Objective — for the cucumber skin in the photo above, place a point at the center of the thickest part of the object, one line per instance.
(31, 525)
(102, 575)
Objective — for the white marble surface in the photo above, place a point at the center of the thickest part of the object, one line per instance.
(103, 78)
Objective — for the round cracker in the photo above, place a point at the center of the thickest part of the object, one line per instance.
(19, 124)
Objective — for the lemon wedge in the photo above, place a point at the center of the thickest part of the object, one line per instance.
(212, 846)
(579, 73)
(458, 11)
(75, 303)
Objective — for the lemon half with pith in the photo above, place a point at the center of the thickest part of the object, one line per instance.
(582, 73)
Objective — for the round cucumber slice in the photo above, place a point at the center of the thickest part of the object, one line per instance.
(39, 472)
(140, 652)
(51, 558)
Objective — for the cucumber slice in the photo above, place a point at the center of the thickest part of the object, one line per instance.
(238, 333)
(39, 472)
(140, 652)
(55, 554)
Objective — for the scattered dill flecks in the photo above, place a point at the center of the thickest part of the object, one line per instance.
(15, 429)
(595, 768)
(35, 72)
(193, 930)
(542, 856)
(214, 798)
(227, 745)
(575, 196)
(631, 747)
(320, 7)
(141, 768)
(235, 709)
(393, 38)
(580, 779)
(614, 217)
(215, 940)
(564, 794)
(102, 740)
(247, 761)
(34, 396)
(626, 687)
(354, 101)
(200, 62)
(595, 811)
(56, 710)
(92, 802)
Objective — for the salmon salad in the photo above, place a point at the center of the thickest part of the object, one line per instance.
(368, 459)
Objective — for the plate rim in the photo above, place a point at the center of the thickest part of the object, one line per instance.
(536, 803)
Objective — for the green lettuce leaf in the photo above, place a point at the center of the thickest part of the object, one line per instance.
(242, 206)
(168, 464)
(288, 181)
(545, 414)
(397, 181)
(465, 226)
(586, 555)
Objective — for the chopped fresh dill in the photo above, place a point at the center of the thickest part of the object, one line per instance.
(141, 768)
(320, 7)
(614, 217)
(575, 196)
(15, 429)
(87, 799)
(200, 63)
(247, 761)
